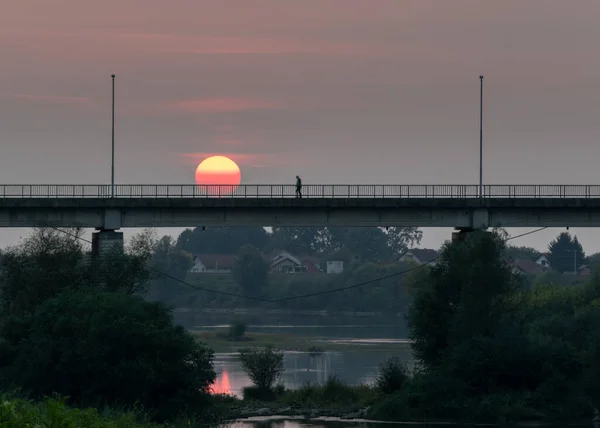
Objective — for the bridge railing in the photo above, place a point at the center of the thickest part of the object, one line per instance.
(289, 191)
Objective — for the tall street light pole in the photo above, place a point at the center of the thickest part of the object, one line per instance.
(112, 164)
(480, 136)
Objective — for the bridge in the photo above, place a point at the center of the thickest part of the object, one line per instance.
(462, 207)
(459, 206)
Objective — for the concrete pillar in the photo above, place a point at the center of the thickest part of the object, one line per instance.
(460, 234)
(103, 240)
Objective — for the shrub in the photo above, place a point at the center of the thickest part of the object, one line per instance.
(257, 394)
(237, 330)
(101, 348)
(263, 366)
(391, 376)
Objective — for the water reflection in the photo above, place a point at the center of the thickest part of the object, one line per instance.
(221, 385)
(354, 367)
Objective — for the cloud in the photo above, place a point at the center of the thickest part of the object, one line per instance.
(202, 45)
(219, 105)
(253, 160)
(55, 99)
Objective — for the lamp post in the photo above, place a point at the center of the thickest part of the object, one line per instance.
(480, 136)
(112, 163)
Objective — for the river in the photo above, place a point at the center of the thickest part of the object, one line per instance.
(354, 365)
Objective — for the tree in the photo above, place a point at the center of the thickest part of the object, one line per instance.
(370, 243)
(263, 366)
(173, 263)
(103, 348)
(466, 294)
(401, 239)
(46, 263)
(251, 271)
(74, 326)
(527, 253)
(566, 253)
(221, 240)
(297, 240)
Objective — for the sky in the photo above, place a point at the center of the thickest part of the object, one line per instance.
(337, 91)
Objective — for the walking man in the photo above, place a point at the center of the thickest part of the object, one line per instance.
(298, 187)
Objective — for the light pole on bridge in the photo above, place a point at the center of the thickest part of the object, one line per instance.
(112, 163)
(480, 136)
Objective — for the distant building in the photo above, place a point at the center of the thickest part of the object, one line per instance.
(278, 262)
(529, 267)
(543, 261)
(420, 256)
(335, 266)
(213, 263)
(285, 262)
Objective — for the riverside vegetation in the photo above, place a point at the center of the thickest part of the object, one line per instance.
(488, 346)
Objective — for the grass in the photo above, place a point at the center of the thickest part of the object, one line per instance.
(54, 413)
(333, 393)
(19, 413)
(287, 342)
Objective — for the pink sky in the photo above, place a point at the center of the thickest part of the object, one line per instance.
(338, 91)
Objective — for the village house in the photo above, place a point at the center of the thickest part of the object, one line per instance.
(543, 261)
(278, 262)
(213, 263)
(420, 256)
(285, 262)
(529, 267)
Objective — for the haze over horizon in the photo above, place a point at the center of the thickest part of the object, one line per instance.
(337, 91)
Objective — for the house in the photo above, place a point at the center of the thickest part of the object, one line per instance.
(543, 261)
(420, 256)
(335, 266)
(213, 263)
(585, 270)
(529, 267)
(285, 262)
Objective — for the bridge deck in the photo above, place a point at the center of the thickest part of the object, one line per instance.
(276, 205)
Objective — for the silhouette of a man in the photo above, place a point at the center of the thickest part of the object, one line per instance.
(298, 187)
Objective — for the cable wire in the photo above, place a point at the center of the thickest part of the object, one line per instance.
(300, 296)
(334, 290)
(181, 281)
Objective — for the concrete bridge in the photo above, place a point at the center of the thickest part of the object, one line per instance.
(460, 206)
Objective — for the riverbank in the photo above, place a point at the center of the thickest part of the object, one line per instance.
(291, 342)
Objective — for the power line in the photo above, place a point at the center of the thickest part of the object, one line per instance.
(195, 287)
(319, 293)
(300, 296)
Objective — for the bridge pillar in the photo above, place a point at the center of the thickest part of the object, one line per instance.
(103, 240)
(461, 233)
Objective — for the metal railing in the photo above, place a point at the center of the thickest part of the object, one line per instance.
(459, 191)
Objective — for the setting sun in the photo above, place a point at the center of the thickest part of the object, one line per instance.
(218, 170)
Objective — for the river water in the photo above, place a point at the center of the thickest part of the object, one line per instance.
(357, 365)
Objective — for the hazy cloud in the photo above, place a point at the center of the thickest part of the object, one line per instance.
(55, 99)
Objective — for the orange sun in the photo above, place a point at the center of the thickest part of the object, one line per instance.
(218, 171)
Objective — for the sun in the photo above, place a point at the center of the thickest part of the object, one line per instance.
(217, 171)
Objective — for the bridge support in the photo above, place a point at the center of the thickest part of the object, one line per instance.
(103, 240)
(461, 233)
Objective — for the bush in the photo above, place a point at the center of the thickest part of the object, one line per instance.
(101, 348)
(391, 376)
(263, 366)
(237, 330)
(256, 394)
